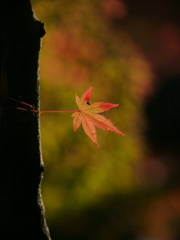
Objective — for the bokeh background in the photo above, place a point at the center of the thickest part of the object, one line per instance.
(130, 51)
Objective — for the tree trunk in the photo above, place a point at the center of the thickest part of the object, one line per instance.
(21, 166)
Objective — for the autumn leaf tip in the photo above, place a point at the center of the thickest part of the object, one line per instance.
(87, 95)
(106, 106)
(120, 133)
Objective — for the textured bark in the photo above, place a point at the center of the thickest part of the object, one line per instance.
(21, 166)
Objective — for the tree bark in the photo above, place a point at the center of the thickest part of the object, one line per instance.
(21, 209)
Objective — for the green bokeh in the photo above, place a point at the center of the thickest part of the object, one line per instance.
(83, 47)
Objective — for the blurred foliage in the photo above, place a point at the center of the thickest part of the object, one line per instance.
(85, 44)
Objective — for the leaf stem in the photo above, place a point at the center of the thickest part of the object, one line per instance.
(27, 104)
(39, 112)
(34, 110)
(58, 111)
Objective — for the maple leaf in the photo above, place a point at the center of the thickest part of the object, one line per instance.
(88, 115)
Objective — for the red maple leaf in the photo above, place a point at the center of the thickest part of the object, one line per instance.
(88, 115)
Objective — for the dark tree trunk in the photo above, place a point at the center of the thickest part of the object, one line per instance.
(21, 166)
